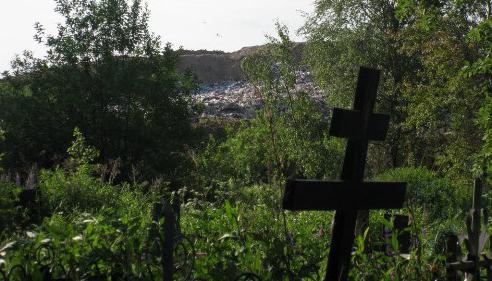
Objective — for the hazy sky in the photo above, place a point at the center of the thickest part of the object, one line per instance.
(194, 24)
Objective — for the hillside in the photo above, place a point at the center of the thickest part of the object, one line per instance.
(218, 66)
(223, 90)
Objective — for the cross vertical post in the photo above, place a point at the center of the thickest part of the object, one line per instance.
(350, 194)
(353, 171)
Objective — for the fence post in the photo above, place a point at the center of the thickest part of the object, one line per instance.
(488, 264)
(451, 256)
(401, 224)
(488, 256)
(473, 225)
(29, 199)
(400, 228)
(168, 245)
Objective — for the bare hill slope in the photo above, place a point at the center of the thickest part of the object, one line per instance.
(217, 66)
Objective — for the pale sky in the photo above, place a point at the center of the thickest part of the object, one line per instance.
(194, 24)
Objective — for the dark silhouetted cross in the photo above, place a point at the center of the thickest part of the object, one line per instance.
(351, 194)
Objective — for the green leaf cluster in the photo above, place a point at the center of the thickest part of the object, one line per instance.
(106, 74)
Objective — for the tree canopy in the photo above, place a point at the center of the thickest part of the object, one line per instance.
(433, 58)
(106, 74)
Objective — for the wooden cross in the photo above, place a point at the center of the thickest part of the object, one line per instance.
(350, 194)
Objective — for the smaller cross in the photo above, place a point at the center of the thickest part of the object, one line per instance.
(351, 194)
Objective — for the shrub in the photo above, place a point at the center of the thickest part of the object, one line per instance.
(438, 197)
(247, 233)
(63, 191)
(106, 73)
(12, 215)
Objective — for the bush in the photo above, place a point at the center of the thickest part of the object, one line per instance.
(92, 227)
(437, 196)
(12, 216)
(65, 192)
(247, 232)
(108, 242)
(105, 73)
(421, 264)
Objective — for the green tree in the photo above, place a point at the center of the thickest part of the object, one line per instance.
(296, 138)
(443, 102)
(342, 36)
(479, 71)
(423, 51)
(106, 74)
(421, 48)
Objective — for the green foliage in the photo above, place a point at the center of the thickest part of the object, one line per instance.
(485, 120)
(442, 103)
(239, 233)
(79, 151)
(479, 72)
(421, 264)
(107, 242)
(2, 138)
(287, 137)
(92, 226)
(344, 35)
(12, 216)
(439, 197)
(90, 222)
(243, 234)
(421, 48)
(106, 74)
(65, 191)
(75, 188)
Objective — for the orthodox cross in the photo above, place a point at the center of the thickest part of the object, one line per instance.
(350, 194)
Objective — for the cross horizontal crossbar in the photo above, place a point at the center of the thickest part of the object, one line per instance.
(347, 124)
(305, 195)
